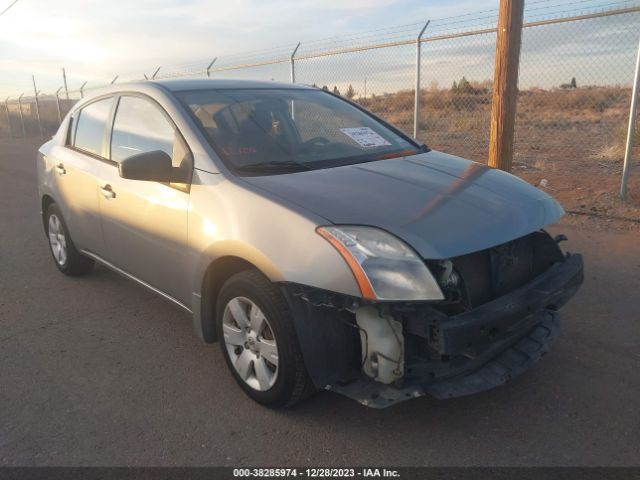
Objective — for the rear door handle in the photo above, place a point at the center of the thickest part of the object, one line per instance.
(60, 169)
(107, 192)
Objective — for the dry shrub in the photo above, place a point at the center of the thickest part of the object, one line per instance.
(614, 151)
(569, 124)
(597, 99)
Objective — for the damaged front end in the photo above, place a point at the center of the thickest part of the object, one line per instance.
(498, 316)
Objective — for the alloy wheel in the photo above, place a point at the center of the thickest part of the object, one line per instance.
(251, 344)
(57, 240)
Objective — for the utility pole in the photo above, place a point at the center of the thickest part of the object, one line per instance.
(64, 78)
(505, 84)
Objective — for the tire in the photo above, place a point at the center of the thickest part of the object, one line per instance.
(249, 350)
(65, 254)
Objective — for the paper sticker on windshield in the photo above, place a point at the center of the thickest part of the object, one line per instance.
(365, 137)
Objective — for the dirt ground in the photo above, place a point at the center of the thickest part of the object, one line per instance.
(591, 199)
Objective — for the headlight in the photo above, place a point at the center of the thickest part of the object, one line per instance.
(384, 266)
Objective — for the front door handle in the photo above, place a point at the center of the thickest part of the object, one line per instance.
(107, 192)
(60, 169)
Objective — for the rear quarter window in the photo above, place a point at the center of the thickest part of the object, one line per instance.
(91, 123)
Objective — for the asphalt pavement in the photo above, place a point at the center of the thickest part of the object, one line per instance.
(98, 371)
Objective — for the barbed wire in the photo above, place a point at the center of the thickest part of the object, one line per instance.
(468, 22)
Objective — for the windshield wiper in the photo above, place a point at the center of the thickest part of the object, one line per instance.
(271, 166)
(401, 153)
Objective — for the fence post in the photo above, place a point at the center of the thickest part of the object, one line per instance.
(155, 73)
(293, 65)
(505, 84)
(82, 90)
(6, 106)
(24, 131)
(35, 91)
(64, 78)
(58, 106)
(416, 105)
(211, 65)
(631, 132)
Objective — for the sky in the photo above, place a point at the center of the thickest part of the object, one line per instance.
(95, 39)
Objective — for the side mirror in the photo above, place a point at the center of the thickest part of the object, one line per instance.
(152, 166)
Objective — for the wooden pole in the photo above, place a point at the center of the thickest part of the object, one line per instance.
(505, 84)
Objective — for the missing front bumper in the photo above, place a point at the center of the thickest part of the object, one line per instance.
(468, 353)
(514, 360)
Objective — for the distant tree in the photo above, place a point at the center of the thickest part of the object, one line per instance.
(570, 85)
(573, 82)
(350, 92)
(464, 86)
(314, 85)
(324, 87)
(335, 90)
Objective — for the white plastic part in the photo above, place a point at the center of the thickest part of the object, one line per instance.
(382, 345)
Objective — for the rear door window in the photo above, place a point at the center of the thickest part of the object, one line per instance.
(91, 123)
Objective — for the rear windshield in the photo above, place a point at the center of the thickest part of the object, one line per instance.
(270, 131)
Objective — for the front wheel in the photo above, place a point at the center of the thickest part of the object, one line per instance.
(259, 342)
(66, 256)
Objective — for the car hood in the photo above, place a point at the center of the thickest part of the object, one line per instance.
(441, 205)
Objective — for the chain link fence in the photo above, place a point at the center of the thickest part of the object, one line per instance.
(576, 74)
(573, 114)
(380, 80)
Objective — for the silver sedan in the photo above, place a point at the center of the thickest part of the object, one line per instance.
(321, 246)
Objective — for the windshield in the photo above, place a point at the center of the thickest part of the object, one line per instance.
(267, 131)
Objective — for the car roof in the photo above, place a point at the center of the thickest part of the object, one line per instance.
(181, 84)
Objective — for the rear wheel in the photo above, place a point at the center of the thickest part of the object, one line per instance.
(65, 255)
(259, 342)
